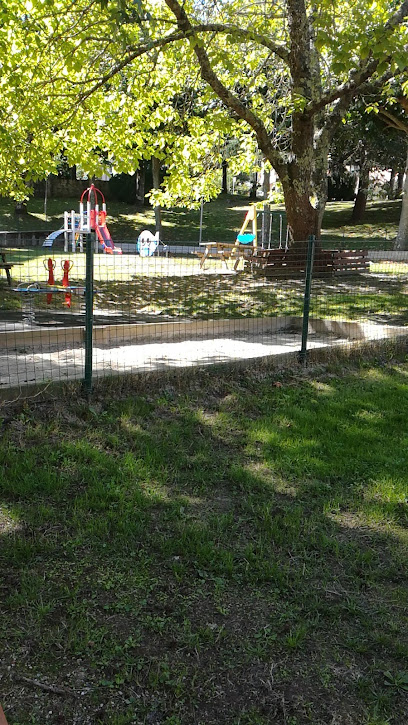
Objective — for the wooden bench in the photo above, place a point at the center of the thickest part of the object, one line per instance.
(291, 263)
(347, 261)
(224, 251)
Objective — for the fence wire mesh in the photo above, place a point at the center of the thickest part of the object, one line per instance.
(189, 305)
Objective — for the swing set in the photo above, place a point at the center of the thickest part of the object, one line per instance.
(246, 242)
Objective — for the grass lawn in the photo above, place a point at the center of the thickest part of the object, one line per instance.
(224, 548)
(222, 219)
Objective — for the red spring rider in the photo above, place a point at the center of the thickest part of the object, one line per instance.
(67, 266)
(50, 265)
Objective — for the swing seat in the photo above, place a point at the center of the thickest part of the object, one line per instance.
(245, 238)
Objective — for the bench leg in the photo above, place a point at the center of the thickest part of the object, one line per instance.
(7, 271)
(203, 258)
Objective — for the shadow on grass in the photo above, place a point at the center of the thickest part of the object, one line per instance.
(380, 298)
(377, 215)
(360, 297)
(223, 550)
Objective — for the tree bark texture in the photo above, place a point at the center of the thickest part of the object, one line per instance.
(156, 185)
(361, 198)
(400, 184)
(266, 183)
(224, 189)
(401, 241)
(302, 217)
(391, 190)
(141, 184)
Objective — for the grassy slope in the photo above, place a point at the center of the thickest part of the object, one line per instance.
(222, 219)
(227, 549)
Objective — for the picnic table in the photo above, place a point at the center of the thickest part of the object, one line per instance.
(4, 264)
(224, 251)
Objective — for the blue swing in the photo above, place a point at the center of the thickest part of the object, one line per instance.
(245, 238)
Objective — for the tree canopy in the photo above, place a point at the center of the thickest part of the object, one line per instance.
(117, 81)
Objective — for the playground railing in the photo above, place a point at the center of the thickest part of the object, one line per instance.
(168, 311)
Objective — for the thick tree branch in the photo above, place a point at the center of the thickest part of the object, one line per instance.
(334, 118)
(300, 51)
(132, 55)
(137, 52)
(349, 88)
(393, 121)
(246, 34)
(398, 17)
(229, 99)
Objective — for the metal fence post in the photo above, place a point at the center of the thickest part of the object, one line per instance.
(306, 300)
(89, 280)
(201, 220)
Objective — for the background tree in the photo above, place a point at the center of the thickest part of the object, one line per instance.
(278, 76)
(307, 52)
(364, 142)
(398, 120)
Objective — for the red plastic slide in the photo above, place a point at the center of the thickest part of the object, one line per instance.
(106, 240)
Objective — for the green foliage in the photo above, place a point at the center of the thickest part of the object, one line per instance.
(115, 83)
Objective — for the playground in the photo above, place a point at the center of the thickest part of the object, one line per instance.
(91, 218)
(218, 470)
(176, 305)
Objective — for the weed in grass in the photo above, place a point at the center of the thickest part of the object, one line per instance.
(296, 637)
(398, 681)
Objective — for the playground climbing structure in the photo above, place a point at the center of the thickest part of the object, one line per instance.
(90, 218)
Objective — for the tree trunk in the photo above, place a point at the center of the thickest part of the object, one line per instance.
(252, 193)
(266, 213)
(224, 189)
(361, 198)
(141, 184)
(156, 185)
(302, 217)
(266, 183)
(20, 208)
(391, 189)
(297, 183)
(320, 179)
(401, 241)
(400, 184)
